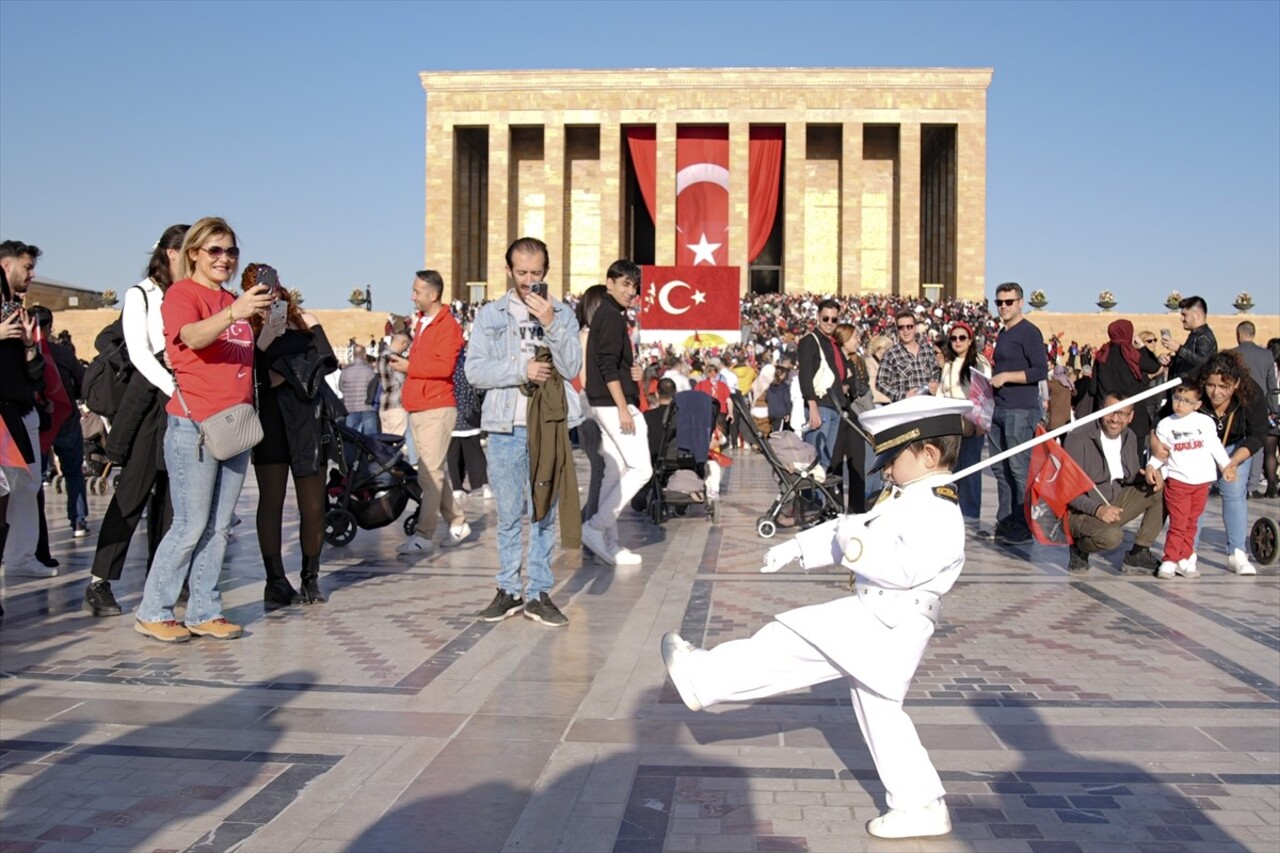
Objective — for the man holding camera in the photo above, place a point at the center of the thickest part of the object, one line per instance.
(507, 356)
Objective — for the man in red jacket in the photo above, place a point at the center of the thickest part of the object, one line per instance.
(427, 396)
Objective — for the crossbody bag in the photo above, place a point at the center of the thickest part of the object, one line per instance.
(229, 432)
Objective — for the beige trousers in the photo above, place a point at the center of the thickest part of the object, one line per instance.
(431, 432)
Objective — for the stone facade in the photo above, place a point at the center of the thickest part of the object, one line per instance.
(884, 172)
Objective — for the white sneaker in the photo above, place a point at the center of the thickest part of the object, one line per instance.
(593, 540)
(486, 493)
(458, 534)
(1167, 570)
(1187, 568)
(32, 568)
(626, 557)
(675, 654)
(458, 496)
(1239, 563)
(415, 546)
(933, 819)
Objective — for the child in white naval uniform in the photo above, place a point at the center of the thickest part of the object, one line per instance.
(906, 553)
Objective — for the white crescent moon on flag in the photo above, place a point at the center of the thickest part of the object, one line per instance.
(664, 297)
(702, 173)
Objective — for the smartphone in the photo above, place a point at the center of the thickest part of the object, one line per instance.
(8, 309)
(540, 288)
(268, 276)
(1164, 333)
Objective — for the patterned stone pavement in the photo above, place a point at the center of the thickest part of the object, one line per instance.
(1065, 714)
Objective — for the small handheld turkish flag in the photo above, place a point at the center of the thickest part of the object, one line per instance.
(690, 299)
(1054, 480)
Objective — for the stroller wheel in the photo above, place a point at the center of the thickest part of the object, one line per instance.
(766, 527)
(1264, 540)
(681, 510)
(339, 527)
(655, 510)
(713, 511)
(410, 524)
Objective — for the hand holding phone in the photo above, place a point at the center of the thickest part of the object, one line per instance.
(540, 288)
(268, 276)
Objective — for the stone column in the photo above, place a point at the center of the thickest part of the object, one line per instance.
(499, 193)
(664, 222)
(611, 146)
(438, 251)
(553, 164)
(850, 208)
(908, 260)
(793, 212)
(739, 195)
(971, 210)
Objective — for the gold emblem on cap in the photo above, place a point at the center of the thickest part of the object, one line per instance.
(905, 438)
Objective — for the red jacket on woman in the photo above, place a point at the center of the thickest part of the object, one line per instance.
(432, 358)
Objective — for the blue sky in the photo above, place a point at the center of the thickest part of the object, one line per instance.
(1131, 146)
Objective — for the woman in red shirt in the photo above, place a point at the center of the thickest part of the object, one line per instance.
(209, 343)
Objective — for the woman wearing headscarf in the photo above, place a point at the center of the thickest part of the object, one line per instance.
(1122, 369)
(1061, 391)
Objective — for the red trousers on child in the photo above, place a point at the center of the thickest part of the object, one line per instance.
(1185, 504)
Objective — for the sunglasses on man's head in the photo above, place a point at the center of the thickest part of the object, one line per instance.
(216, 252)
(1006, 302)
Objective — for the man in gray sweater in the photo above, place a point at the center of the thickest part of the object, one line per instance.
(1262, 367)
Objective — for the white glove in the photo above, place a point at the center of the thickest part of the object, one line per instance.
(780, 555)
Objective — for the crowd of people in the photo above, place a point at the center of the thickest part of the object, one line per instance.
(480, 392)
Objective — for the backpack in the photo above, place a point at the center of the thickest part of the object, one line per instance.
(110, 371)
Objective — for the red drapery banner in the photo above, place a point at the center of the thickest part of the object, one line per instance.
(695, 299)
(643, 144)
(762, 189)
(702, 188)
(702, 195)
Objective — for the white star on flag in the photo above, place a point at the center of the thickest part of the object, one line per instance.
(703, 251)
(699, 297)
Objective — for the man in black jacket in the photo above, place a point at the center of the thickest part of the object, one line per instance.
(68, 444)
(1107, 450)
(822, 369)
(613, 392)
(1200, 346)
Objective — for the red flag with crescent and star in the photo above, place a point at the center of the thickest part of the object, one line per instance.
(702, 196)
(694, 299)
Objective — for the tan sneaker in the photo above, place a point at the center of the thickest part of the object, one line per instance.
(167, 631)
(219, 629)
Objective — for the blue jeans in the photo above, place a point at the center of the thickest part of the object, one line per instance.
(1009, 428)
(365, 423)
(970, 488)
(1235, 507)
(509, 477)
(70, 451)
(204, 493)
(823, 439)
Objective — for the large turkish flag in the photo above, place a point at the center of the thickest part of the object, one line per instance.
(702, 195)
(702, 299)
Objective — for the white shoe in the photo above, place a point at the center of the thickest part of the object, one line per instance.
(1187, 568)
(1239, 563)
(32, 568)
(675, 654)
(458, 534)
(486, 493)
(593, 540)
(1167, 570)
(415, 546)
(933, 819)
(626, 557)
(458, 496)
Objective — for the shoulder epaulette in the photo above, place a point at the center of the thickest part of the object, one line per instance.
(947, 492)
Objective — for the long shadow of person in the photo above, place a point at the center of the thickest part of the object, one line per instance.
(572, 809)
(147, 785)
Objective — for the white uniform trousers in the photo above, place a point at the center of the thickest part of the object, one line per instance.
(776, 660)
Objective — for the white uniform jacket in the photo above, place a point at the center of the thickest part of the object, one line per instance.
(909, 547)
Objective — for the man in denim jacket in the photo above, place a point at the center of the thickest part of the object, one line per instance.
(505, 336)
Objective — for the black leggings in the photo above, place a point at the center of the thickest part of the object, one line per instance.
(272, 482)
(1270, 449)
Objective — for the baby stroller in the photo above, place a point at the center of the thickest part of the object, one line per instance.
(370, 486)
(810, 496)
(678, 482)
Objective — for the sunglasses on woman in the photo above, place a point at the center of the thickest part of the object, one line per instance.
(955, 338)
(215, 252)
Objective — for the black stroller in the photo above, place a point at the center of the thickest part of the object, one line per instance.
(678, 477)
(809, 497)
(370, 485)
